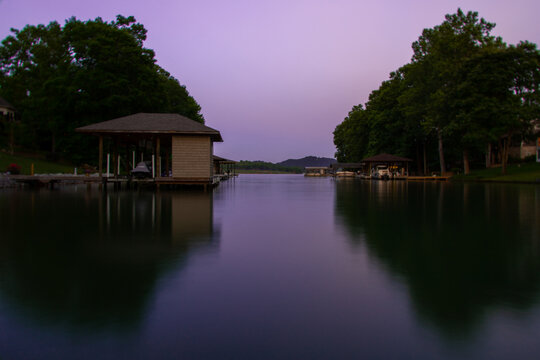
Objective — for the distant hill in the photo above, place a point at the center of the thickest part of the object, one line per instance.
(308, 161)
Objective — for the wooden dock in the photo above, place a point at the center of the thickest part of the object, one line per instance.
(428, 178)
(120, 182)
(50, 180)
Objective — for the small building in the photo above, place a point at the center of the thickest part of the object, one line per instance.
(7, 121)
(397, 165)
(538, 149)
(224, 166)
(6, 109)
(186, 145)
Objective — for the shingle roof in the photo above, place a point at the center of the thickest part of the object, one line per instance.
(151, 123)
(223, 160)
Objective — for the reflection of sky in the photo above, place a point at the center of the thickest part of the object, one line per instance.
(276, 77)
(285, 282)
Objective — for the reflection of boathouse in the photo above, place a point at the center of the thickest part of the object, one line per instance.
(105, 274)
(181, 149)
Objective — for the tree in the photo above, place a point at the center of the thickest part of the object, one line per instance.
(413, 101)
(498, 97)
(61, 78)
(442, 52)
(351, 137)
(463, 88)
(524, 74)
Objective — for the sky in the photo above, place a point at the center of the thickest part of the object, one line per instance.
(276, 77)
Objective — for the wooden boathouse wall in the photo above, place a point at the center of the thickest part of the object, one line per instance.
(191, 157)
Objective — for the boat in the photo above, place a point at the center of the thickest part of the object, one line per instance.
(345, 174)
(142, 170)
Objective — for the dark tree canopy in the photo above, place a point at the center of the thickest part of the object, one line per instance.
(63, 77)
(463, 91)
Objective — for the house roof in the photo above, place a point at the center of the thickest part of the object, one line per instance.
(151, 123)
(386, 158)
(5, 104)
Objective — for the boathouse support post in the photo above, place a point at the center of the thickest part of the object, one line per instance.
(115, 159)
(158, 154)
(114, 164)
(153, 166)
(108, 163)
(167, 155)
(100, 161)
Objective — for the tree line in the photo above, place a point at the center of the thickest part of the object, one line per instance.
(266, 166)
(63, 77)
(465, 97)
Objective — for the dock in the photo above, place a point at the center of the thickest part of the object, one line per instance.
(50, 181)
(428, 178)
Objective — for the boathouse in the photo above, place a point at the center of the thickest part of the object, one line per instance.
(181, 148)
(395, 163)
(224, 166)
(6, 109)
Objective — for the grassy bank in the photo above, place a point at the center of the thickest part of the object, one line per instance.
(526, 173)
(41, 166)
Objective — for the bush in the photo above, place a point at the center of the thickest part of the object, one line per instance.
(14, 169)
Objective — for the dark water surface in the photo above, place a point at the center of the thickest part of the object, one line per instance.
(272, 267)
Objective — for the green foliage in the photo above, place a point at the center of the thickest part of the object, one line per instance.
(351, 137)
(463, 88)
(266, 166)
(60, 78)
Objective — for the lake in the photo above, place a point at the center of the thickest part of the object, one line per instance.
(272, 267)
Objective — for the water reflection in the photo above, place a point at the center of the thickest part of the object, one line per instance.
(463, 250)
(98, 266)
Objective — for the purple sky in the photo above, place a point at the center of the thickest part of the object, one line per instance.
(276, 77)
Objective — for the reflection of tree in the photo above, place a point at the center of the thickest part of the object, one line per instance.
(461, 249)
(93, 261)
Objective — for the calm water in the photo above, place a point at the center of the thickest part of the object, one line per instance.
(272, 267)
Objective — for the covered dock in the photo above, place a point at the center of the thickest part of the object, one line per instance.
(224, 167)
(177, 149)
(396, 164)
